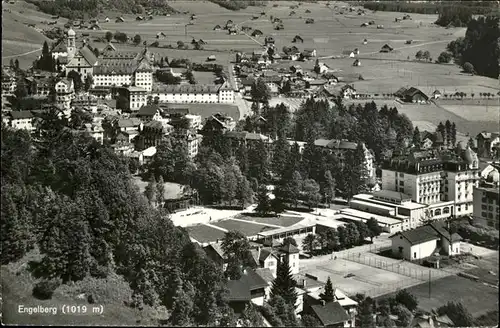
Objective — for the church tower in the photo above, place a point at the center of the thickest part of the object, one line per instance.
(71, 44)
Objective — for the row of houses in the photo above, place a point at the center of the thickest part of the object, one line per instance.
(255, 285)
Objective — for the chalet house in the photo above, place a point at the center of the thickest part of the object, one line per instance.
(249, 288)
(348, 53)
(139, 18)
(356, 63)
(232, 31)
(106, 20)
(308, 53)
(296, 69)
(95, 27)
(247, 137)
(346, 91)
(487, 141)
(425, 241)
(257, 33)
(386, 48)
(297, 38)
(20, 120)
(269, 40)
(349, 305)
(149, 113)
(64, 92)
(119, 20)
(153, 132)
(229, 24)
(432, 321)
(365, 41)
(160, 35)
(330, 314)
(436, 94)
(412, 95)
(364, 24)
(129, 124)
(217, 28)
(219, 122)
(273, 83)
(9, 83)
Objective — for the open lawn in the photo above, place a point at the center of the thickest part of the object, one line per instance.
(475, 296)
(172, 190)
(248, 229)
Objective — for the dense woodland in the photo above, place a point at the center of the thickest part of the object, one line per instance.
(239, 4)
(454, 13)
(479, 51)
(76, 9)
(74, 200)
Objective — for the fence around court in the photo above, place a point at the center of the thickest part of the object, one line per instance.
(383, 289)
(400, 267)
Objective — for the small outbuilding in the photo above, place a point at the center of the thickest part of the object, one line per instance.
(386, 48)
(217, 28)
(297, 38)
(357, 62)
(309, 21)
(211, 58)
(257, 33)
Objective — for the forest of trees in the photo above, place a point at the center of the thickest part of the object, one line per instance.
(239, 4)
(479, 48)
(74, 201)
(443, 7)
(76, 9)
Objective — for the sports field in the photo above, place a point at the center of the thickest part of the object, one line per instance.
(356, 278)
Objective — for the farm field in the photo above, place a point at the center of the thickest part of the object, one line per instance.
(331, 34)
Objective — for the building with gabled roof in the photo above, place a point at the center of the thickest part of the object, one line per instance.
(425, 241)
(329, 314)
(20, 120)
(249, 288)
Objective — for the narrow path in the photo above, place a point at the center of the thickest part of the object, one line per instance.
(23, 54)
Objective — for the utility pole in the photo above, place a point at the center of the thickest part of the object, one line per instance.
(429, 283)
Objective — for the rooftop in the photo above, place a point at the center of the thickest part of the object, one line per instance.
(366, 216)
(330, 314)
(239, 290)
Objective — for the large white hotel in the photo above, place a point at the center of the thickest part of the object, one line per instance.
(442, 179)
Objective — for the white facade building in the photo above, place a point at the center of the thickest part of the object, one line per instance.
(193, 93)
(432, 177)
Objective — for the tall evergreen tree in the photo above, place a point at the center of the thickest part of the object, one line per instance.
(280, 156)
(365, 315)
(417, 140)
(447, 127)
(150, 190)
(160, 191)
(328, 187)
(183, 307)
(263, 201)
(329, 293)
(453, 132)
(284, 284)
